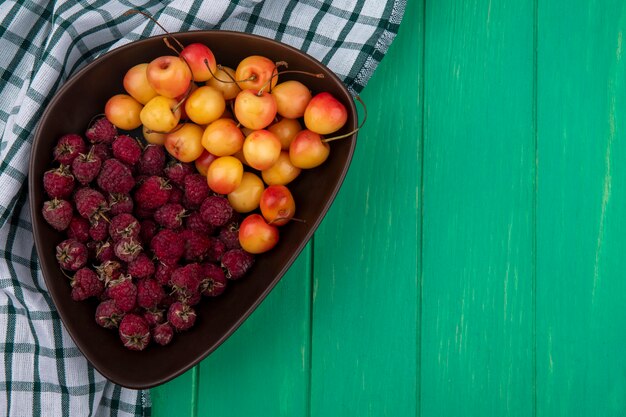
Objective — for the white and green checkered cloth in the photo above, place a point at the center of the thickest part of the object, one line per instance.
(42, 43)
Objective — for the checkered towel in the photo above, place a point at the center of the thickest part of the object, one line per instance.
(42, 43)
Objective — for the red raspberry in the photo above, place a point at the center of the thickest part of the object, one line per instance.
(212, 280)
(126, 149)
(71, 254)
(154, 316)
(142, 267)
(185, 281)
(196, 190)
(153, 193)
(147, 230)
(58, 183)
(216, 211)
(68, 147)
(86, 284)
(237, 262)
(181, 316)
(163, 334)
(123, 226)
(101, 131)
(163, 273)
(176, 195)
(149, 293)
(216, 249)
(89, 203)
(85, 167)
(127, 249)
(124, 292)
(194, 299)
(108, 315)
(170, 215)
(102, 151)
(196, 245)
(167, 246)
(78, 229)
(115, 177)
(109, 271)
(120, 203)
(194, 222)
(58, 214)
(177, 171)
(98, 230)
(134, 332)
(152, 161)
(104, 251)
(229, 234)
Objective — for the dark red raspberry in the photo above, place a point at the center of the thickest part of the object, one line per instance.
(194, 299)
(78, 229)
(98, 230)
(86, 284)
(147, 229)
(127, 249)
(163, 273)
(90, 203)
(85, 167)
(152, 161)
(154, 316)
(216, 211)
(58, 214)
(68, 147)
(194, 222)
(153, 193)
(124, 292)
(102, 151)
(237, 262)
(168, 300)
(126, 149)
(163, 334)
(212, 280)
(144, 213)
(142, 267)
(176, 195)
(177, 171)
(185, 281)
(216, 249)
(71, 254)
(101, 131)
(104, 251)
(58, 183)
(229, 234)
(134, 332)
(124, 226)
(181, 316)
(115, 177)
(109, 271)
(108, 315)
(196, 245)
(170, 215)
(196, 190)
(120, 203)
(149, 293)
(167, 246)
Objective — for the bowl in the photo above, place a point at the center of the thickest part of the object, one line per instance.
(70, 111)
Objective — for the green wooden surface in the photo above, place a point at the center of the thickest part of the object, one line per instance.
(473, 263)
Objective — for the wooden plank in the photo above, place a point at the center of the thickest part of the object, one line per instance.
(477, 322)
(177, 397)
(581, 285)
(263, 368)
(366, 287)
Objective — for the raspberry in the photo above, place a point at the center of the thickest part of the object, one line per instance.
(85, 167)
(120, 203)
(78, 229)
(185, 281)
(124, 292)
(142, 267)
(196, 245)
(98, 230)
(229, 234)
(163, 273)
(181, 316)
(144, 213)
(167, 246)
(216, 211)
(71, 254)
(216, 249)
(134, 332)
(101, 131)
(170, 215)
(177, 171)
(115, 177)
(104, 251)
(102, 151)
(237, 262)
(58, 214)
(86, 284)
(194, 299)
(108, 315)
(58, 183)
(168, 300)
(149, 293)
(126, 149)
(163, 334)
(176, 195)
(89, 203)
(152, 161)
(154, 316)
(153, 193)
(109, 271)
(123, 226)
(147, 230)
(212, 280)
(127, 249)
(68, 147)
(194, 222)
(196, 190)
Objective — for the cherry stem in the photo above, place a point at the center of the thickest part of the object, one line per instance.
(149, 16)
(357, 98)
(180, 125)
(276, 74)
(277, 219)
(233, 81)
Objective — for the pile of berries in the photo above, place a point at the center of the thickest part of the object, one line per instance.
(145, 234)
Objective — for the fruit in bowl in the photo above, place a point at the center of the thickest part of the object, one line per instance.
(72, 110)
